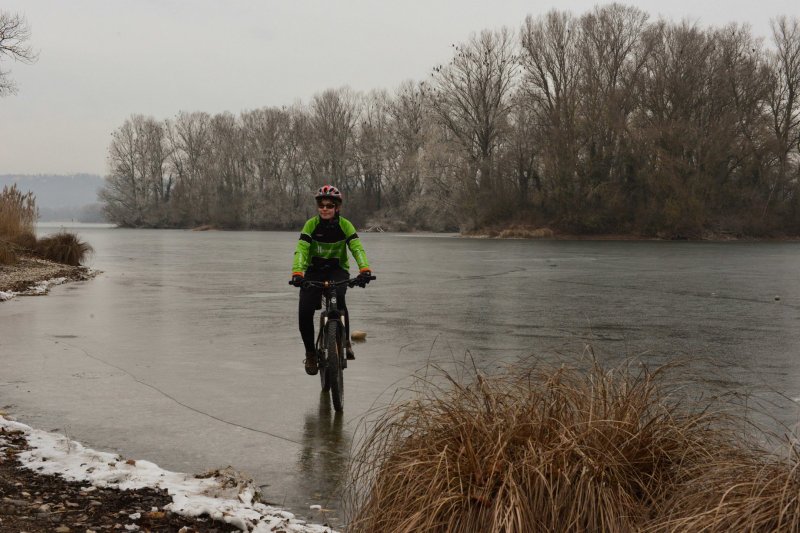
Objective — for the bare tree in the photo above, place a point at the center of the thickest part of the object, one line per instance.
(409, 121)
(784, 98)
(785, 101)
(471, 98)
(264, 134)
(229, 169)
(613, 50)
(674, 127)
(550, 61)
(122, 193)
(137, 189)
(14, 34)
(264, 130)
(190, 154)
(333, 117)
(373, 146)
(740, 91)
(523, 151)
(298, 140)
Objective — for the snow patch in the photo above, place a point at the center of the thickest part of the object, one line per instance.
(43, 287)
(37, 289)
(223, 495)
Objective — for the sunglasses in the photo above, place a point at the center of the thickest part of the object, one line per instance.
(326, 206)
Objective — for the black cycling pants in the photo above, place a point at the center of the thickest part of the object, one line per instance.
(311, 300)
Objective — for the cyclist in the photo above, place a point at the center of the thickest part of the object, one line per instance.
(321, 254)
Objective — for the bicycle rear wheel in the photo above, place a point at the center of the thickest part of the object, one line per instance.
(335, 376)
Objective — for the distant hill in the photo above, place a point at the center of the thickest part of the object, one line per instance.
(60, 198)
(57, 191)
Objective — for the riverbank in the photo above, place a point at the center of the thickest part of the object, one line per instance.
(50, 483)
(523, 231)
(35, 503)
(32, 276)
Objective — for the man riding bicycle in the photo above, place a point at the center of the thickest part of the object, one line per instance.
(321, 254)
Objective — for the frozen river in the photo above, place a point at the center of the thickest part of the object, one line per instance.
(185, 351)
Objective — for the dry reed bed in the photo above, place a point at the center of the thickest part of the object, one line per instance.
(556, 448)
(18, 214)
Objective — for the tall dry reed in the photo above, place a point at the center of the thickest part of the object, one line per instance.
(18, 213)
(541, 449)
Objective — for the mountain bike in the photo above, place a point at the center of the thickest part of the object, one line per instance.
(331, 358)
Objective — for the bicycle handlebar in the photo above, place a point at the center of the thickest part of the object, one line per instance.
(352, 282)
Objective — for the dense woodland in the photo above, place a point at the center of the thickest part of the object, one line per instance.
(606, 122)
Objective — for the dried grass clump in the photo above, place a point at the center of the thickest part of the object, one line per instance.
(63, 247)
(525, 232)
(18, 212)
(749, 492)
(542, 449)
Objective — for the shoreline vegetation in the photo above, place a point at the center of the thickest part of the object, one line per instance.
(28, 264)
(577, 446)
(523, 231)
(530, 232)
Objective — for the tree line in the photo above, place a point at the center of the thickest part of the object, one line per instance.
(605, 122)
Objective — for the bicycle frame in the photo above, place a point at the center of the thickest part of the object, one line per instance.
(330, 312)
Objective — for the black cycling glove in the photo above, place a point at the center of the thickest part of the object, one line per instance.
(363, 278)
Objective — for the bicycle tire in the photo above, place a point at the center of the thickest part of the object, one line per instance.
(324, 382)
(323, 373)
(334, 364)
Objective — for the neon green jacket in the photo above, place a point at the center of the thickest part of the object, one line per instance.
(324, 244)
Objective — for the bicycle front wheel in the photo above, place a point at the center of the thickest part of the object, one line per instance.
(323, 380)
(335, 376)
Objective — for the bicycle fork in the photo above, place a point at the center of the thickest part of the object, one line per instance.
(322, 351)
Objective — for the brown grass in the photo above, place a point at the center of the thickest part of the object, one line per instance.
(562, 449)
(25, 241)
(8, 255)
(749, 491)
(525, 232)
(18, 215)
(18, 212)
(64, 248)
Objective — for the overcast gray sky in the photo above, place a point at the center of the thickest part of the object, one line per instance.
(103, 60)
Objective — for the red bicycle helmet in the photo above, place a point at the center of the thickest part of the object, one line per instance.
(328, 191)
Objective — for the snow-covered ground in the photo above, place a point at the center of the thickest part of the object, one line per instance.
(224, 496)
